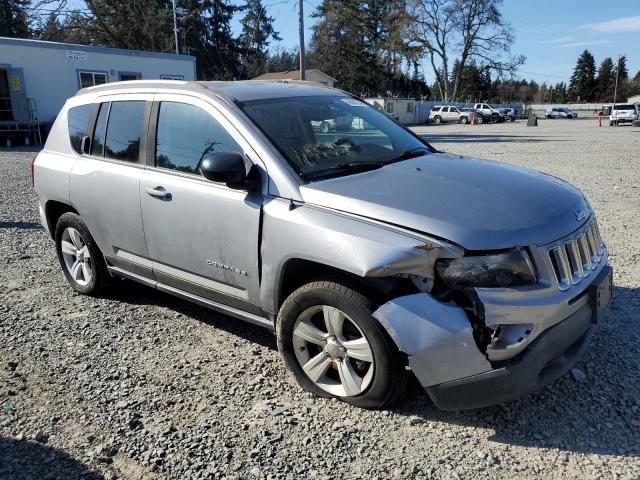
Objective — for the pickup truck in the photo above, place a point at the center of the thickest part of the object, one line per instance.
(487, 109)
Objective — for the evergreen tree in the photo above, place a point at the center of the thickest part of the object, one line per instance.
(257, 34)
(622, 68)
(605, 80)
(559, 93)
(475, 82)
(14, 21)
(208, 36)
(338, 47)
(582, 86)
(283, 60)
(360, 44)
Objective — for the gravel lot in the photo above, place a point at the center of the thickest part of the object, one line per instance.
(141, 385)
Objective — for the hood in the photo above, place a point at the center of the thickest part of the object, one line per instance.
(478, 204)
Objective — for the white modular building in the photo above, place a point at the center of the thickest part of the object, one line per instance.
(36, 77)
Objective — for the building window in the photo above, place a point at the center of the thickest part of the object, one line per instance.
(172, 77)
(90, 79)
(126, 76)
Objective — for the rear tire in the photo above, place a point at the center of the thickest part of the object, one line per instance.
(324, 127)
(357, 363)
(79, 256)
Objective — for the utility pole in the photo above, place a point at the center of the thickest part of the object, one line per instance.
(175, 26)
(615, 89)
(301, 28)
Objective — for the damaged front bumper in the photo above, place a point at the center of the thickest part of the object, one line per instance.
(445, 358)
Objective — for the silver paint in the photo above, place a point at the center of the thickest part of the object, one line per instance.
(394, 221)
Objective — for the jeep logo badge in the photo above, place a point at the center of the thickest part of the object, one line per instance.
(580, 215)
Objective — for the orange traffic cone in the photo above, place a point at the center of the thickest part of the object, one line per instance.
(473, 120)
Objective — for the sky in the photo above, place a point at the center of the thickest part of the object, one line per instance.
(550, 33)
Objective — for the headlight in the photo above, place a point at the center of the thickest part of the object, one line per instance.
(508, 269)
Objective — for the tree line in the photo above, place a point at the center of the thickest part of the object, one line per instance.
(372, 47)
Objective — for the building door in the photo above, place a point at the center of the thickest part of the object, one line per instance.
(6, 114)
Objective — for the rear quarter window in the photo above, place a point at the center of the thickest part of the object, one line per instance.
(78, 122)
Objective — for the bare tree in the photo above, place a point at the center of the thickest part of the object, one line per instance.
(458, 31)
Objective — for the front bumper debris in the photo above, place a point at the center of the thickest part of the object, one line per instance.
(547, 358)
(438, 340)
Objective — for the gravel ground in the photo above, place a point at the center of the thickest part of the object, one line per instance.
(144, 386)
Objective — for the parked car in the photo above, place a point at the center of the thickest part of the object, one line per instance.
(336, 124)
(479, 116)
(560, 112)
(371, 255)
(440, 114)
(620, 114)
(488, 111)
(510, 114)
(469, 114)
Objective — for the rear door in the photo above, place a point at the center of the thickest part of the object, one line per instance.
(105, 184)
(202, 236)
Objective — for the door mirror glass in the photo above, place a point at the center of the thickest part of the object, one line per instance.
(224, 167)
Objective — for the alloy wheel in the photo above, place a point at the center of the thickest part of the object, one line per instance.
(77, 258)
(333, 351)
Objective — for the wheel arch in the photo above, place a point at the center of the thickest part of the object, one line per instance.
(53, 210)
(297, 272)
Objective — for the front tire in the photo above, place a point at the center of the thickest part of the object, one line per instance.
(464, 120)
(437, 120)
(79, 256)
(324, 127)
(333, 346)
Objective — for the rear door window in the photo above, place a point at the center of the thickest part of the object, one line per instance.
(78, 123)
(124, 131)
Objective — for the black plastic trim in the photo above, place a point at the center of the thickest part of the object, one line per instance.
(549, 357)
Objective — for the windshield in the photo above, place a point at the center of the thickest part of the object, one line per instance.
(324, 136)
(625, 107)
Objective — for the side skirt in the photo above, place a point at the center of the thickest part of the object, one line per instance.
(219, 307)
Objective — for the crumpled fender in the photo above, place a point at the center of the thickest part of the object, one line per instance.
(437, 338)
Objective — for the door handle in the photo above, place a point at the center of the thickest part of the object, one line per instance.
(158, 192)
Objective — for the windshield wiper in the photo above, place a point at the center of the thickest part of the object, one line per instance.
(407, 154)
(364, 165)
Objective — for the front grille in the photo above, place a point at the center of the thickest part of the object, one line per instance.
(576, 258)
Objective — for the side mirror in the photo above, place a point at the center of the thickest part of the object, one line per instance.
(224, 167)
(230, 168)
(85, 145)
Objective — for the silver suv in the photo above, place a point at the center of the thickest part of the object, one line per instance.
(369, 253)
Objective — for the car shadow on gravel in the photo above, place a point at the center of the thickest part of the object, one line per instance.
(569, 415)
(137, 294)
(21, 225)
(597, 413)
(21, 460)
